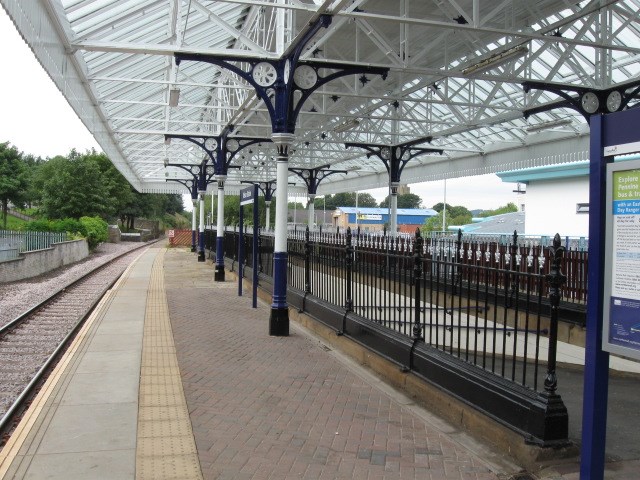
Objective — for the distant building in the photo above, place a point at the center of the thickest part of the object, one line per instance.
(505, 223)
(377, 219)
(556, 198)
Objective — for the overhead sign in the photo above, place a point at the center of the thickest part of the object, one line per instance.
(246, 196)
(621, 332)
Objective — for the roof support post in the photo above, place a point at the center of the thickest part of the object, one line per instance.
(284, 85)
(279, 318)
(395, 158)
(201, 229)
(393, 206)
(219, 271)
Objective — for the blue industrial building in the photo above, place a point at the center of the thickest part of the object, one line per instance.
(376, 219)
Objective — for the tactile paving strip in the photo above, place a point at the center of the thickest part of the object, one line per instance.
(165, 445)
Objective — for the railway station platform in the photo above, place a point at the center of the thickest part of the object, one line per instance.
(174, 376)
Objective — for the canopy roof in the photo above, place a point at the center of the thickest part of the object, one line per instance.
(455, 80)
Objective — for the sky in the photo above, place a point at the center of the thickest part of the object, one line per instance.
(37, 120)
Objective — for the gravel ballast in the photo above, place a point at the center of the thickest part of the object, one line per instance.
(17, 297)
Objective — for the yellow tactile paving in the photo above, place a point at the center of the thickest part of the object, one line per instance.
(165, 445)
(27, 424)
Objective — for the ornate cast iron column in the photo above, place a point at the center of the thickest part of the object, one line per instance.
(219, 271)
(279, 319)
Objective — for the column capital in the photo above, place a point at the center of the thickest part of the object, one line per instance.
(282, 142)
(311, 196)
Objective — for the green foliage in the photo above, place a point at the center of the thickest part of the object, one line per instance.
(13, 178)
(508, 208)
(347, 199)
(434, 224)
(408, 200)
(96, 230)
(176, 220)
(14, 223)
(69, 225)
(72, 187)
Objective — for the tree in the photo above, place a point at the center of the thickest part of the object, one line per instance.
(347, 199)
(455, 215)
(72, 187)
(453, 211)
(117, 188)
(508, 208)
(13, 178)
(408, 200)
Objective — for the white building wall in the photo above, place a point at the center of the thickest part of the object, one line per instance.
(550, 207)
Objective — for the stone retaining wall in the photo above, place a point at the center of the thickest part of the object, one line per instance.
(37, 262)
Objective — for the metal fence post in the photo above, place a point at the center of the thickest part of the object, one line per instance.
(349, 265)
(511, 277)
(348, 305)
(307, 263)
(417, 285)
(555, 279)
(457, 277)
(417, 301)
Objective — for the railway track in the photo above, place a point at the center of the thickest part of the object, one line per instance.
(31, 343)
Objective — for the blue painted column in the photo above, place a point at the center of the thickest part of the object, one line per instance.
(201, 229)
(279, 319)
(596, 360)
(219, 272)
(194, 225)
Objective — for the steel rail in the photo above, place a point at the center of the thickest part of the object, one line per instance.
(26, 392)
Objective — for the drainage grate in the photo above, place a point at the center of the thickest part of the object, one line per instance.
(522, 476)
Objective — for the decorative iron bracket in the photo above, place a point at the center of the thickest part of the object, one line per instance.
(203, 175)
(276, 81)
(220, 149)
(266, 188)
(396, 157)
(586, 101)
(313, 176)
(191, 185)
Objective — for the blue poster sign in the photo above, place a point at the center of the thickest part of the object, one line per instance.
(622, 268)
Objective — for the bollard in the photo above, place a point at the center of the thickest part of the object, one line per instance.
(555, 279)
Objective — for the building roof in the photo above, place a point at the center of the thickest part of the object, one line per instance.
(505, 223)
(553, 172)
(425, 212)
(453, 80)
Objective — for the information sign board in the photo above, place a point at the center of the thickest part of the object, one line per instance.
(621, 315)
(246, 196)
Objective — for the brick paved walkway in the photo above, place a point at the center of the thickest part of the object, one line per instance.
(284, 407)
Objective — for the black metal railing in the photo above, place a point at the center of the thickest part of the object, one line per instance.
(485, 307)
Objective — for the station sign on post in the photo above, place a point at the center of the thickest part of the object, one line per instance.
(249, 196)
(621, 315)
(246, 196)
